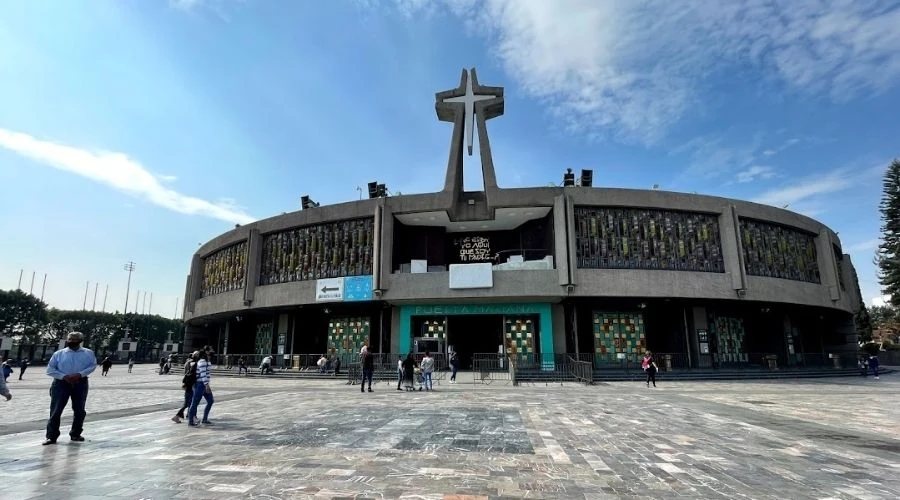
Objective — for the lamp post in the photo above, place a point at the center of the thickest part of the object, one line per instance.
(129, 266)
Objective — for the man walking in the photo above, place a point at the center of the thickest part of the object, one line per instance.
(368, 368)
(69, 368)
(22, 366)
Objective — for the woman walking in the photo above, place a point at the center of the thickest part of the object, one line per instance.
(201, 390)
(187, 383)
(454, 365)
(650, 367)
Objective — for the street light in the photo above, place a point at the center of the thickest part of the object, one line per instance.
(129, 266)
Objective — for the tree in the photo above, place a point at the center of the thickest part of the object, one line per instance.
(22, 315)
(884, 317)
(863, 324)
(888, 257)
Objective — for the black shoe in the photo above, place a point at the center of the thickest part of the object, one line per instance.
(48, 441)
(370, 389)
(76, 438)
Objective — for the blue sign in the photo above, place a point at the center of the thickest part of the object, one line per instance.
(357, 288)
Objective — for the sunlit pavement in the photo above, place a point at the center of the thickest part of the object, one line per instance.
(277, 438)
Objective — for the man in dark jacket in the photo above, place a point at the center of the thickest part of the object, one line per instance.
(368, 368)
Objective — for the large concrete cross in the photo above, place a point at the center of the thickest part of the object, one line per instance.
(468, 107)
(469, 99)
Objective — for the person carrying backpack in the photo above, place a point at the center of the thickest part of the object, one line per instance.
(187, 383)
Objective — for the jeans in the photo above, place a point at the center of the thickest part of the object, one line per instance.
(188, 399)
(200, 392)
(426, 381)
(60, 392)
(367, 375)
(453, 374)
(399, 377)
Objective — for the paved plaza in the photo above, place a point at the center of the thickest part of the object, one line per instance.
(277, 438)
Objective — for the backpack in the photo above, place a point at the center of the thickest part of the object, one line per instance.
(190, 378)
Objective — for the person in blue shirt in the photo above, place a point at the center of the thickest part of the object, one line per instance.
(69, 368)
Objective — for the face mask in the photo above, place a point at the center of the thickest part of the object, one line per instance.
(74, 345)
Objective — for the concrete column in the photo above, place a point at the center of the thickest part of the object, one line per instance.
(732, 250)
(187, 305)
(196, 280)
(395, 328)
(377, 247)
(194, 338)
(254, 261)
(387, 245)
(559, 327)
(570, 238)
(827, 264)
(561, 239)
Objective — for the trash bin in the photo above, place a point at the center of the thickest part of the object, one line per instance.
(668, 362)
(772, 362)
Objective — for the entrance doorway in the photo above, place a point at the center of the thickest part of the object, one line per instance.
(474, 334)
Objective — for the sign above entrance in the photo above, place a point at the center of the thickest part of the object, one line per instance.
(330, 290)
(344, 289)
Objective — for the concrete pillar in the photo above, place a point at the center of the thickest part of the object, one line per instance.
(570, 238)
(827, 264)
(397, 332)
(194, 338)
(561, 239)
(377, 247)
(196, 280)
(387, 245)
(254, 261)
(559, 327)
(732, 250)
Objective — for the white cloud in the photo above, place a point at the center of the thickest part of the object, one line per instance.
(880, 301)
(806, 190)
(755, 172)
(631, 69)
(119, 172)
(167, 178)
(864, 246)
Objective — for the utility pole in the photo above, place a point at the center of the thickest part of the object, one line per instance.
(87, 286)
(104, 297)
(137, 303)
(31, 289)
(176, 308)
(96, 286)
(20, 279)
(43, 286)
(150, 307)
(129, 266)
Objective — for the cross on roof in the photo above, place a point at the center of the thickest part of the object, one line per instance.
(469, 99)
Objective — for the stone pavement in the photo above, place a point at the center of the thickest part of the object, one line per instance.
(276, 438)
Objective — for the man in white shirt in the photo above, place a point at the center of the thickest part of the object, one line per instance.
(69, 368)
(427, 367)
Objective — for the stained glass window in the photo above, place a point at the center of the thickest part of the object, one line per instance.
(331, 250)
(630, 238)
(777, 251)
(224, 270)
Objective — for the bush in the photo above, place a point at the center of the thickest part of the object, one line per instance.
(871, 349)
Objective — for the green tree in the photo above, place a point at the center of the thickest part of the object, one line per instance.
(888, 257)
(863, 324)
(884, 317)
(22, 315)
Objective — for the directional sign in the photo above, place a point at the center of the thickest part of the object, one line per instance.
(358, 288)
(330, 290)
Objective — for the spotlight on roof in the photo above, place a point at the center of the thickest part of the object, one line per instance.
(305, 202)
(587, 177)
(568, 178)
(377, 190)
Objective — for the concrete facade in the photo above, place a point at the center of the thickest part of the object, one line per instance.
(553, 287)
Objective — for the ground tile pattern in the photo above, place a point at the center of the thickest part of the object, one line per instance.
(276, 438)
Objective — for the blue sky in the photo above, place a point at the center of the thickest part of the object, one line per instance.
(134, 130)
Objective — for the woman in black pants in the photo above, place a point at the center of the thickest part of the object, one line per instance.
(651, 372)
